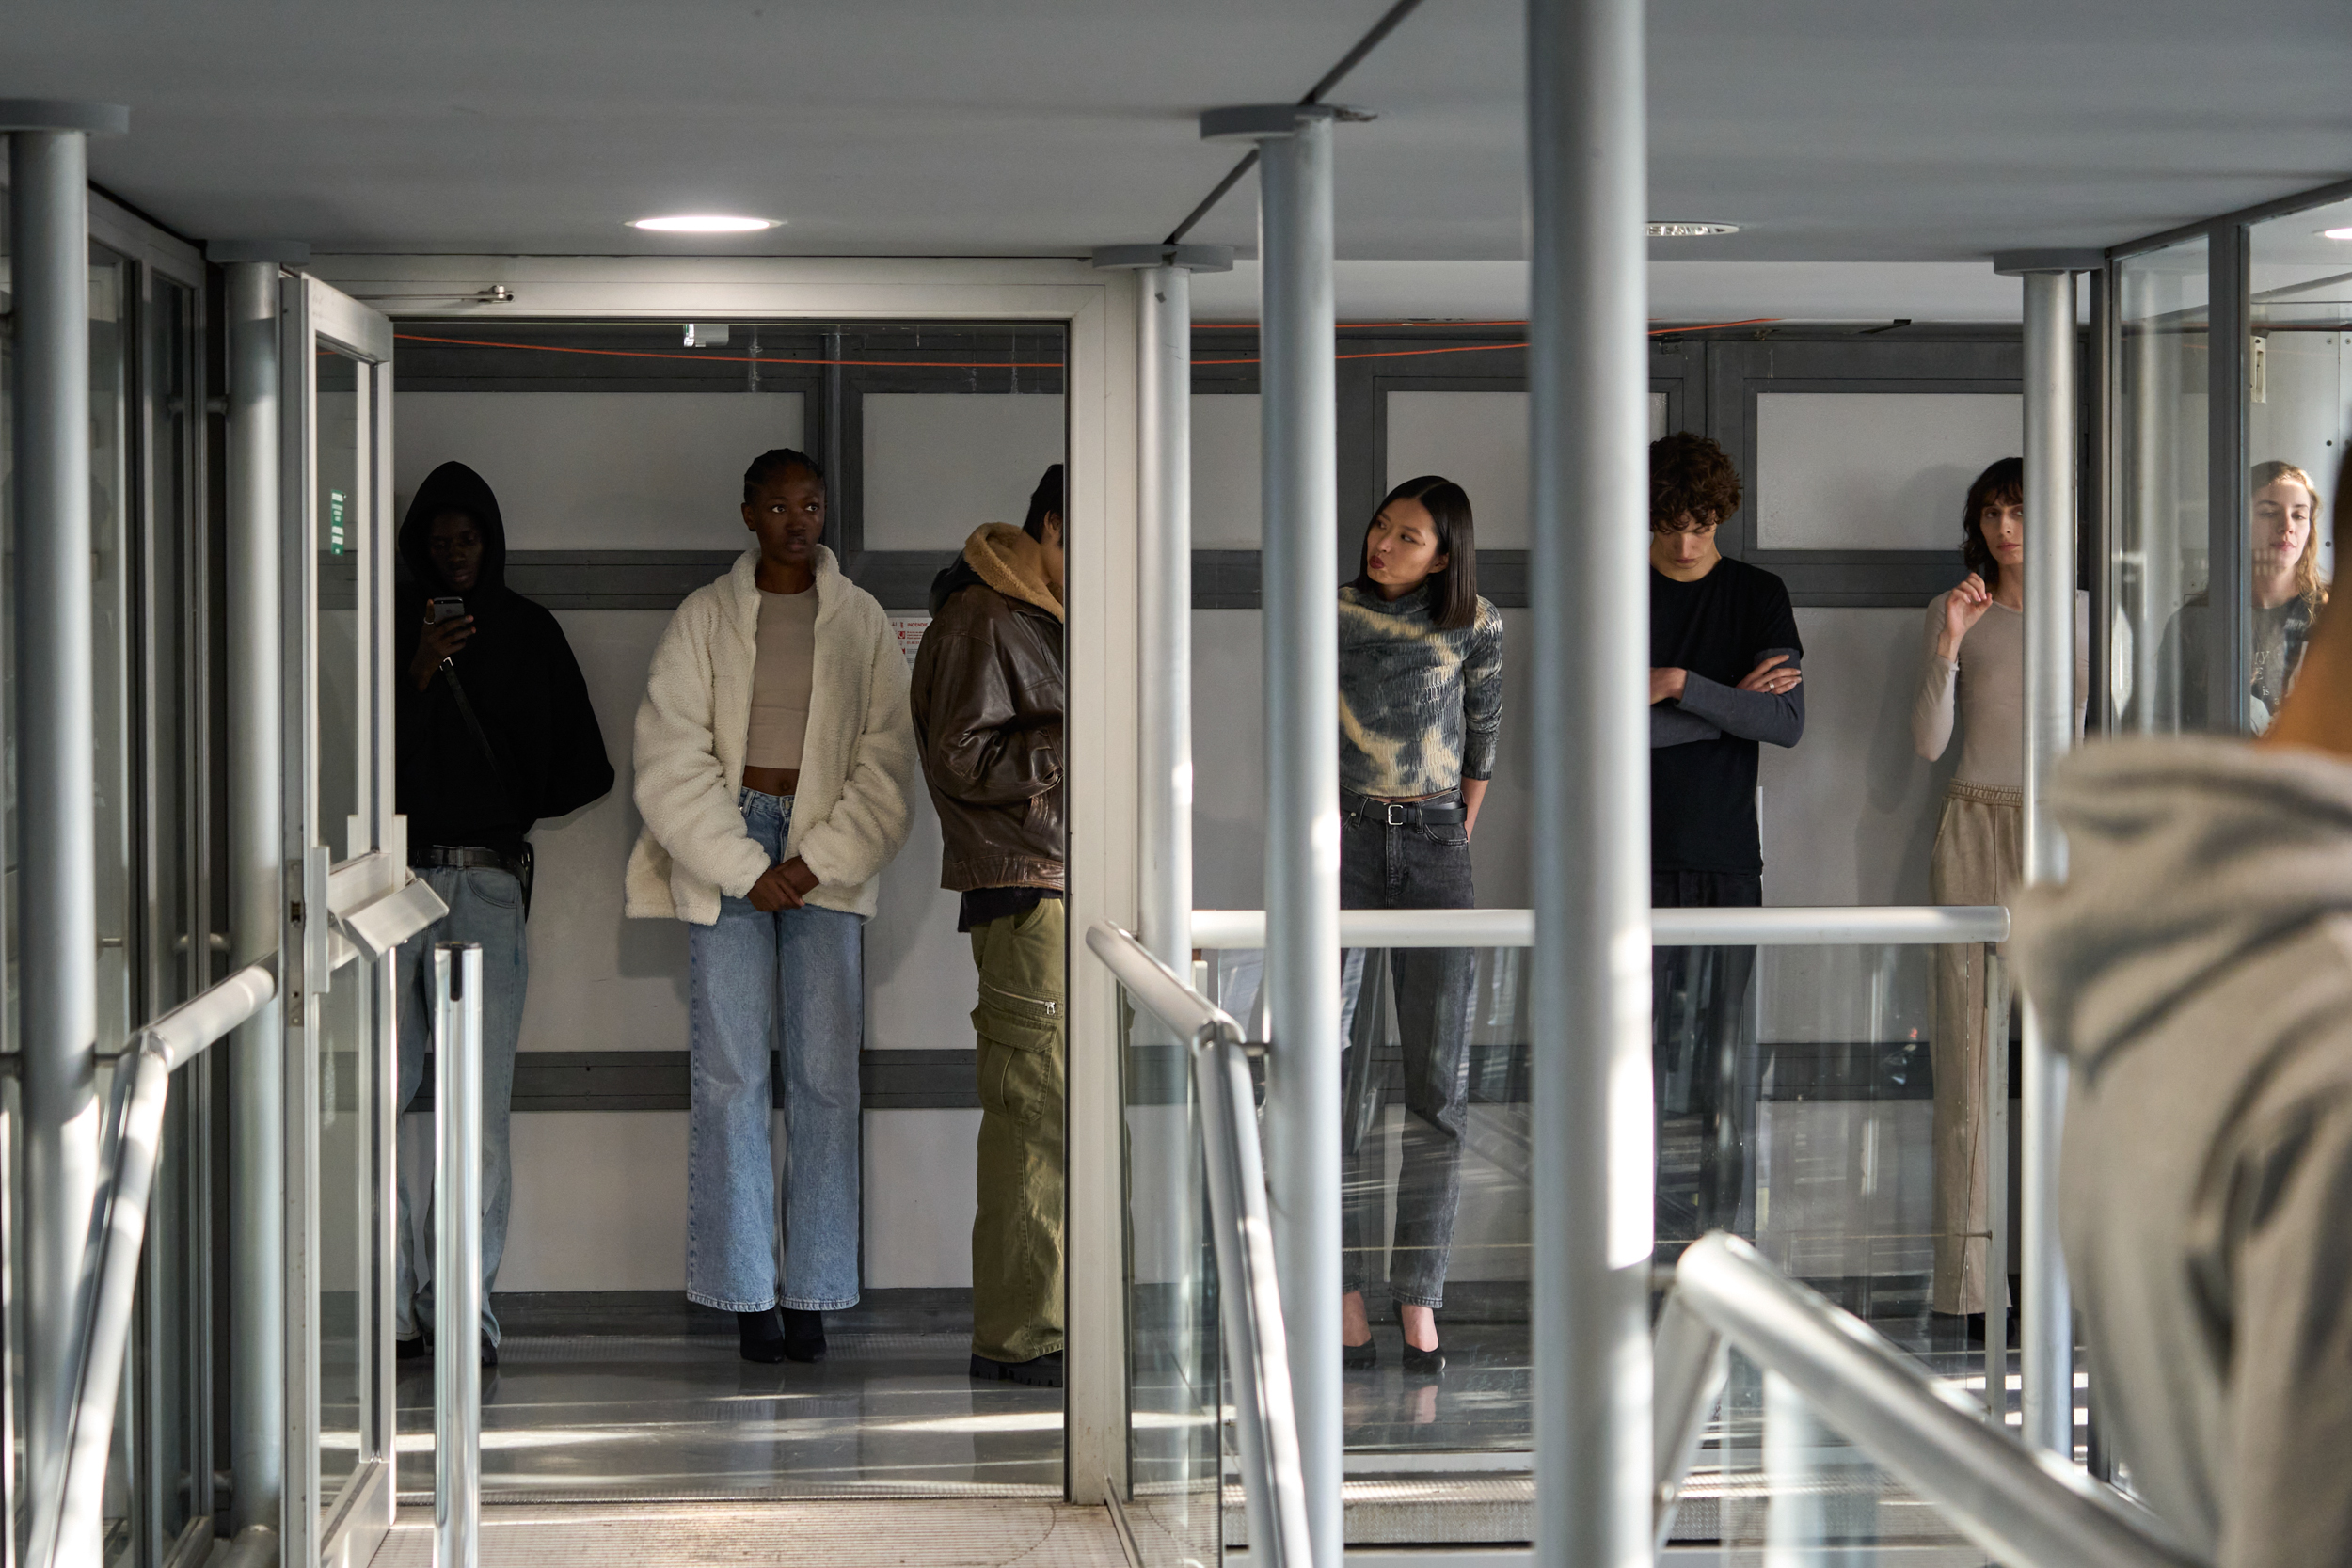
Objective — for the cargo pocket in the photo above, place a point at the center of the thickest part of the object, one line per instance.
(1017, 1021)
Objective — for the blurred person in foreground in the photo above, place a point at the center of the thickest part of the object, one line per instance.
(2196, 969)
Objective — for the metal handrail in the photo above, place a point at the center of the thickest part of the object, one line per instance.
(67, 1510)
(1274, 1482)
(2027, 1508)
(1799, 926)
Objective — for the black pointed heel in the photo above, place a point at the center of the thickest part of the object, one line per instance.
(1419, 1363)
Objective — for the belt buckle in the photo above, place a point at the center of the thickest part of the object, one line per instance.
(1399, 815)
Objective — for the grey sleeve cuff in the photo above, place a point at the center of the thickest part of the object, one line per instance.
(1749, 715)
(1670, 725)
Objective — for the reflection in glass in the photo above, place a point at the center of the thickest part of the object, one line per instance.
(1777, 1485)
(2300, 285)
(1795, 1094)
(112, 283)
(350, 1055)
(2161, 554)
(171, 1372)
(1174, 1429)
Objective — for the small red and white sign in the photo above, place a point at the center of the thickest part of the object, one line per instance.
(908, 630)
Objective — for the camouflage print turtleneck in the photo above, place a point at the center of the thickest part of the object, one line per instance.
(1420, 707)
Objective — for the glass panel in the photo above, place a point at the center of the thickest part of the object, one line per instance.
(1175, 1419)
(112, 279)
(1798, 1097)
(1797, 1091)
(342, 711)
(112, 284)
(351, 1070)
(1407, 1144)
(2298, 420)
(349, 1064)
(2157, 635)
(173, 1371)
(1776, 1484)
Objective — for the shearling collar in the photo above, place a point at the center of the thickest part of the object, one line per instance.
(742, 581)
(1012, 563)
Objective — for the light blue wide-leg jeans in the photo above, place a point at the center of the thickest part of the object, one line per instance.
(800, 968)
(485, 905)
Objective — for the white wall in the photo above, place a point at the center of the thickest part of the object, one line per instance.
(1874, 470)
(1478, 440)
(940, 463)
(1850, 812)
(599, 471)
(1228, 505)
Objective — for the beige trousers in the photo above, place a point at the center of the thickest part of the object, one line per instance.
(1980, 857)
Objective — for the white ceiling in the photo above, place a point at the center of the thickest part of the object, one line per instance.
(1853, 131)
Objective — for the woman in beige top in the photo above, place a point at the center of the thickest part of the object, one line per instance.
(1976, 671)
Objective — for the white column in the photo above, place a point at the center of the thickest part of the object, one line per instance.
(2047, 1314)
(1298, 383)
(56, 836)
(1589, 380)
(256, 1316)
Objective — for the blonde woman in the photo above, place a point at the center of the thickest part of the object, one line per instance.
(2283, 592)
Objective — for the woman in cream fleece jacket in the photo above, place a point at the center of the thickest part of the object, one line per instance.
(776, 760)
(850, 816)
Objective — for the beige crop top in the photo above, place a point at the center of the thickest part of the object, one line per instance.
(780, 679)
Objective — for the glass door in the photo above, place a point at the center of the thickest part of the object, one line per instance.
(341, 850)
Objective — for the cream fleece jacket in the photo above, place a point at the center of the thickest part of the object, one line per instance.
(850, 814)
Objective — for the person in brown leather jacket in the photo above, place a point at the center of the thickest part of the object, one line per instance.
(987, 722)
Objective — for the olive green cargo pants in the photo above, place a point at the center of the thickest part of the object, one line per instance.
(1017, 1234)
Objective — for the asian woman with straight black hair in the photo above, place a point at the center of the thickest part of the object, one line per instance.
(1420, 705)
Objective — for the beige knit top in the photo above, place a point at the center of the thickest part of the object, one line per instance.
(781, 677)
(1987, 685)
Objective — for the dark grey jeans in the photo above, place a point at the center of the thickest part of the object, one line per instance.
(1409, 868)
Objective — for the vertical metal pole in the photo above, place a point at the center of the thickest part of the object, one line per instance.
(1302, 639)
(1167, 606)
(1298, 385)
(2046, 1323)
(2229, 524)
(457, 1254)
(1996, 1146)
(56, 829)
(1591, 1002)
(1164, 446)
(257, 1399)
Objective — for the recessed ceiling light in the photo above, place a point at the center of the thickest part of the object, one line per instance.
(2336, 233)
(703, 222)
(1689, 230)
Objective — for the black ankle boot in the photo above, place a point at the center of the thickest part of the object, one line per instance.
(804, 1334)
(761, 1336)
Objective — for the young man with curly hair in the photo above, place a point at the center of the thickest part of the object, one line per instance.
(1723, 677)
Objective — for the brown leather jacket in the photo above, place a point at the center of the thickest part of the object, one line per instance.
(988, 715)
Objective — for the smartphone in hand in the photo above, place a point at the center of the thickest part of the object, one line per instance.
(440, 609)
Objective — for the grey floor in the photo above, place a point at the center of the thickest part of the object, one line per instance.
(646, 1417)
(679, 1419)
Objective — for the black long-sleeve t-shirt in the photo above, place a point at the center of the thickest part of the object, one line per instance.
(1702, 792)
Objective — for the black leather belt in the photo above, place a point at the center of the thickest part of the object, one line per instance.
(460, 856)
(1441, 812)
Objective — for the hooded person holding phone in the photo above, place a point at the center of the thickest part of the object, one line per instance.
(495, 733)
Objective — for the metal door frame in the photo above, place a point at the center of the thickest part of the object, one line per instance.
(1099, 310)
(347, 1527)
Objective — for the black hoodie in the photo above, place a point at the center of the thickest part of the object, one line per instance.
(518, 674)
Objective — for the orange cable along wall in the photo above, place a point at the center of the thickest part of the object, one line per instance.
(1045, 364)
